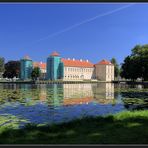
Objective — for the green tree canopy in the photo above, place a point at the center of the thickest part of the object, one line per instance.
(116, 67)
(136, 65)
(12, 69)
(2, 63)
(36, 72)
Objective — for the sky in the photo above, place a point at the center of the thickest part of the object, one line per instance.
(92, 31)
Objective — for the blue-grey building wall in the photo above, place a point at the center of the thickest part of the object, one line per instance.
(54, 68)
(26, 68)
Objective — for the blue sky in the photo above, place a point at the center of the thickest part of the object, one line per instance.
(27, 29)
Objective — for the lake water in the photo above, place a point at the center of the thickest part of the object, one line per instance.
(54, 103)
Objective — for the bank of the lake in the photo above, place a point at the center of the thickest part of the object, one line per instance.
(52, 82)
(70, 82)
(128, 127)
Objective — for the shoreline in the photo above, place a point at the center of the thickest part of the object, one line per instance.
(70, 82)
(51, 82)
(88, 130)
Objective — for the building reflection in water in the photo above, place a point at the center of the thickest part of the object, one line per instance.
(43, 93)
(77, 94)
(66, 94)
(103, 93)
(57, 95)
(72, 94)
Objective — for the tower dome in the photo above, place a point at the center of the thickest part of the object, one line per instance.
(55, 54)
(27, 57)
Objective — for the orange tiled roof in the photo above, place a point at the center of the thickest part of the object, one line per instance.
(73, 101)
(54, 54)
(39, 64)
(76, 63)
(105, 62)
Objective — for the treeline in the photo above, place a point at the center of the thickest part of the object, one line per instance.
(134, 66)
(11, 69)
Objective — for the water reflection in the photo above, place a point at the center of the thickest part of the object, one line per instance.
(105, 93)
(77, 94)
(62, 94)
(72, 94)
(58, 102)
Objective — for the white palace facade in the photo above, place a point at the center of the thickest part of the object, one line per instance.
(79, 70)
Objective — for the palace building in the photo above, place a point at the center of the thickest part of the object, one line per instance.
(78, 69)
(69, 69)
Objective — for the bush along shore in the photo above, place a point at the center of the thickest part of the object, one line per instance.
(128, 127)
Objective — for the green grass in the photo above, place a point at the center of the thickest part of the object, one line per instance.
(122, 128)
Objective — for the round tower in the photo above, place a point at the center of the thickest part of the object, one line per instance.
(26, 68)
(54, 67)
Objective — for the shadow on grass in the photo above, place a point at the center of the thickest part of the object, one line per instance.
(124, 128)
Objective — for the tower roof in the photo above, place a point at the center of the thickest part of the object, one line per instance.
(104, 62)
(27, 57)
(55, 54)
(40, 65)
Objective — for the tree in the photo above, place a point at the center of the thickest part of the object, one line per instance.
(136, 65)
(116, 67)
(2, 68)
(129, 68)
(36, 72)
(12, 69)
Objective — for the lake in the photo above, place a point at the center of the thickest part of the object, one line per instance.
(55, 103)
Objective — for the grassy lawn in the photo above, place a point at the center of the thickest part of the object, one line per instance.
(122, 128)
